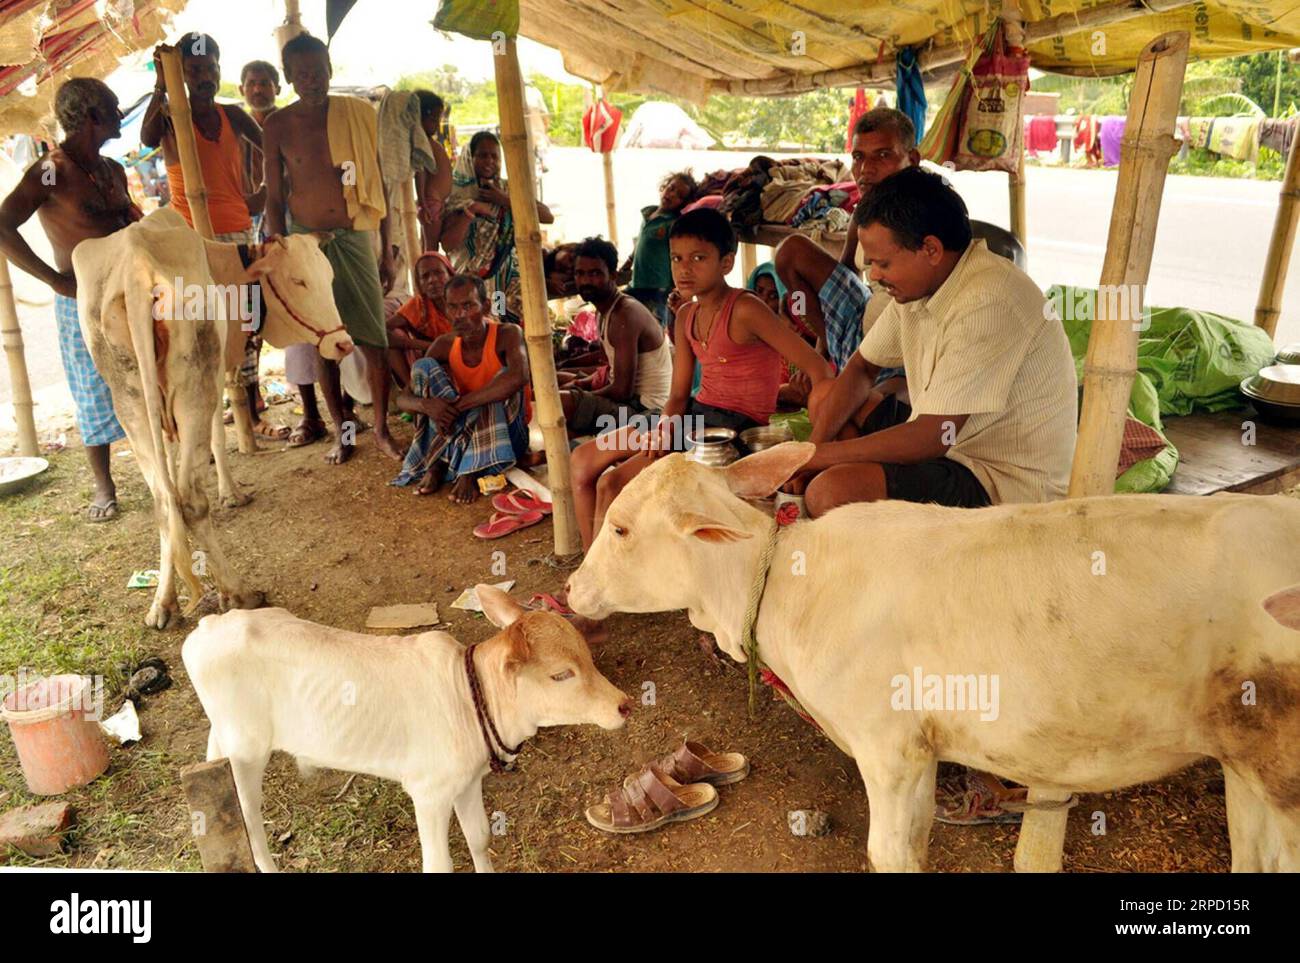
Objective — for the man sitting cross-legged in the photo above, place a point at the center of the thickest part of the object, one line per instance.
(470, 390)
(991, 380)
(828, 294)
(640, 361)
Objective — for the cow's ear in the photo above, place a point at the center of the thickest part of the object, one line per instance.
(269, 258)
(760, 475)
(1284, 606)
(707, 529)
(520, 650)
(499, 607)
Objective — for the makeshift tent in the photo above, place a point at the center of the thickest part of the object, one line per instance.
(658, 124)
(757, 47)
(44, 40)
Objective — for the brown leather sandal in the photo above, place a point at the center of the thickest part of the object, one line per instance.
(649, 800)
(694, 762)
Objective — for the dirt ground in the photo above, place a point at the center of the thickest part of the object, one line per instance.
(328, 543)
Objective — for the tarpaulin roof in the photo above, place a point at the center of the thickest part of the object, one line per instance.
(43, 40)
(694, 48)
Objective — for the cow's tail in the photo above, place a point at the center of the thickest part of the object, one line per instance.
(140, 318)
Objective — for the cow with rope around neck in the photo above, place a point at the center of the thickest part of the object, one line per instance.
(421, 709)
(1183, 648)
(165, 357)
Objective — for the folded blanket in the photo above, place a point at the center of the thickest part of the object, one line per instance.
(352, 128)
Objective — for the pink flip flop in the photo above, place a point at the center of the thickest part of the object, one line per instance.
(551, 603)
(520, 502)
(502, 524)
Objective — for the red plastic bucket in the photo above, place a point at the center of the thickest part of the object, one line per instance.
(59, 745)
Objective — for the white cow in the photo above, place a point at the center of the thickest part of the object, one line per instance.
(399, 707)
(1121, 638)
(167, 374)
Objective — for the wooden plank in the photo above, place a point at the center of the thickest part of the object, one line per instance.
(770, 235)
(1214, 458)
(216, 820)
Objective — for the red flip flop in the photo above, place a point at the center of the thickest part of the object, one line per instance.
(502, 524)
(520, 502)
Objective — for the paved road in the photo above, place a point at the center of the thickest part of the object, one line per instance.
(1209, 251)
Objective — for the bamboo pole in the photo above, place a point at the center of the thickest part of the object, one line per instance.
(196, 194)
(748, 260)
(537, 326)
(411, 230)
(1269, 306)
(876, 72)
(1014, 29)
(1112, 348)
(11, 334)
(607, 161)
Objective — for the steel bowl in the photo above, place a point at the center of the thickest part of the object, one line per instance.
(1275, 393)
(1278, 383)
(16, 472)
(1289, 354)
(765, 436)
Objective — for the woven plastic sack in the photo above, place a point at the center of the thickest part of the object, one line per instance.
(480, 19)
(992, 131)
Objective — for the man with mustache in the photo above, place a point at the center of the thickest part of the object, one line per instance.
(640, 362)
(828, 294)
(224, 135)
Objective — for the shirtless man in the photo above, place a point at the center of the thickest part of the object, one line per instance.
(301, 180)
(641, 364)
(77, 194)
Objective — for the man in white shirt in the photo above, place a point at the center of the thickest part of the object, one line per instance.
(992, 412)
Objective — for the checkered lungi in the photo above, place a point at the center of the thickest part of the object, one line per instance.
(488, 439)
(843, 299)
(90, 393)
(248, 369)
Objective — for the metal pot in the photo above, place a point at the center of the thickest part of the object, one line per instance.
(714, 447)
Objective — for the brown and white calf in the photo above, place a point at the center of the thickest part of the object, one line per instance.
(166, 363)
(397, 707)
(1127, 636)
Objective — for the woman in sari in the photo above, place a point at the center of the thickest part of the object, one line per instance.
(478, 229)
(422, 318)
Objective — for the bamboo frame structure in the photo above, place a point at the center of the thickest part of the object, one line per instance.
(1268, 308)
(11, 334)
(1112, 347)
(411, 230)
(537, 326)
(1014, 28)
(196, 194)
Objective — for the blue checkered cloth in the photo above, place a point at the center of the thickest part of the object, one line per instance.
(843, 298)
(94, 402)
(484, 440)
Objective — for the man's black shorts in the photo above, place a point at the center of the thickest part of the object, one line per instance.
(939, 480)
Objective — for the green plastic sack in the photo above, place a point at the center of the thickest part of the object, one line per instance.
(480, 19)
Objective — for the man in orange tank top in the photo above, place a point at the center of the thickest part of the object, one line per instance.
(469, 393)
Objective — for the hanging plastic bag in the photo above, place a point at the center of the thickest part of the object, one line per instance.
(992, 128)
(600, 124)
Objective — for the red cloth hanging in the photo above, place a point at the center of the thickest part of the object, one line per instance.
(600, 126)
(860, 107)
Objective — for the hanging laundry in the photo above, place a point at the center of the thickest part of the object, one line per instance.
(911, 89)
(1277, 134)
(861, 104)
(1087, 138)
(1040, 134)
(1112, 132)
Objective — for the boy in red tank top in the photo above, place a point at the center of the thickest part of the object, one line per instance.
(469, 390)
(743, 349)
